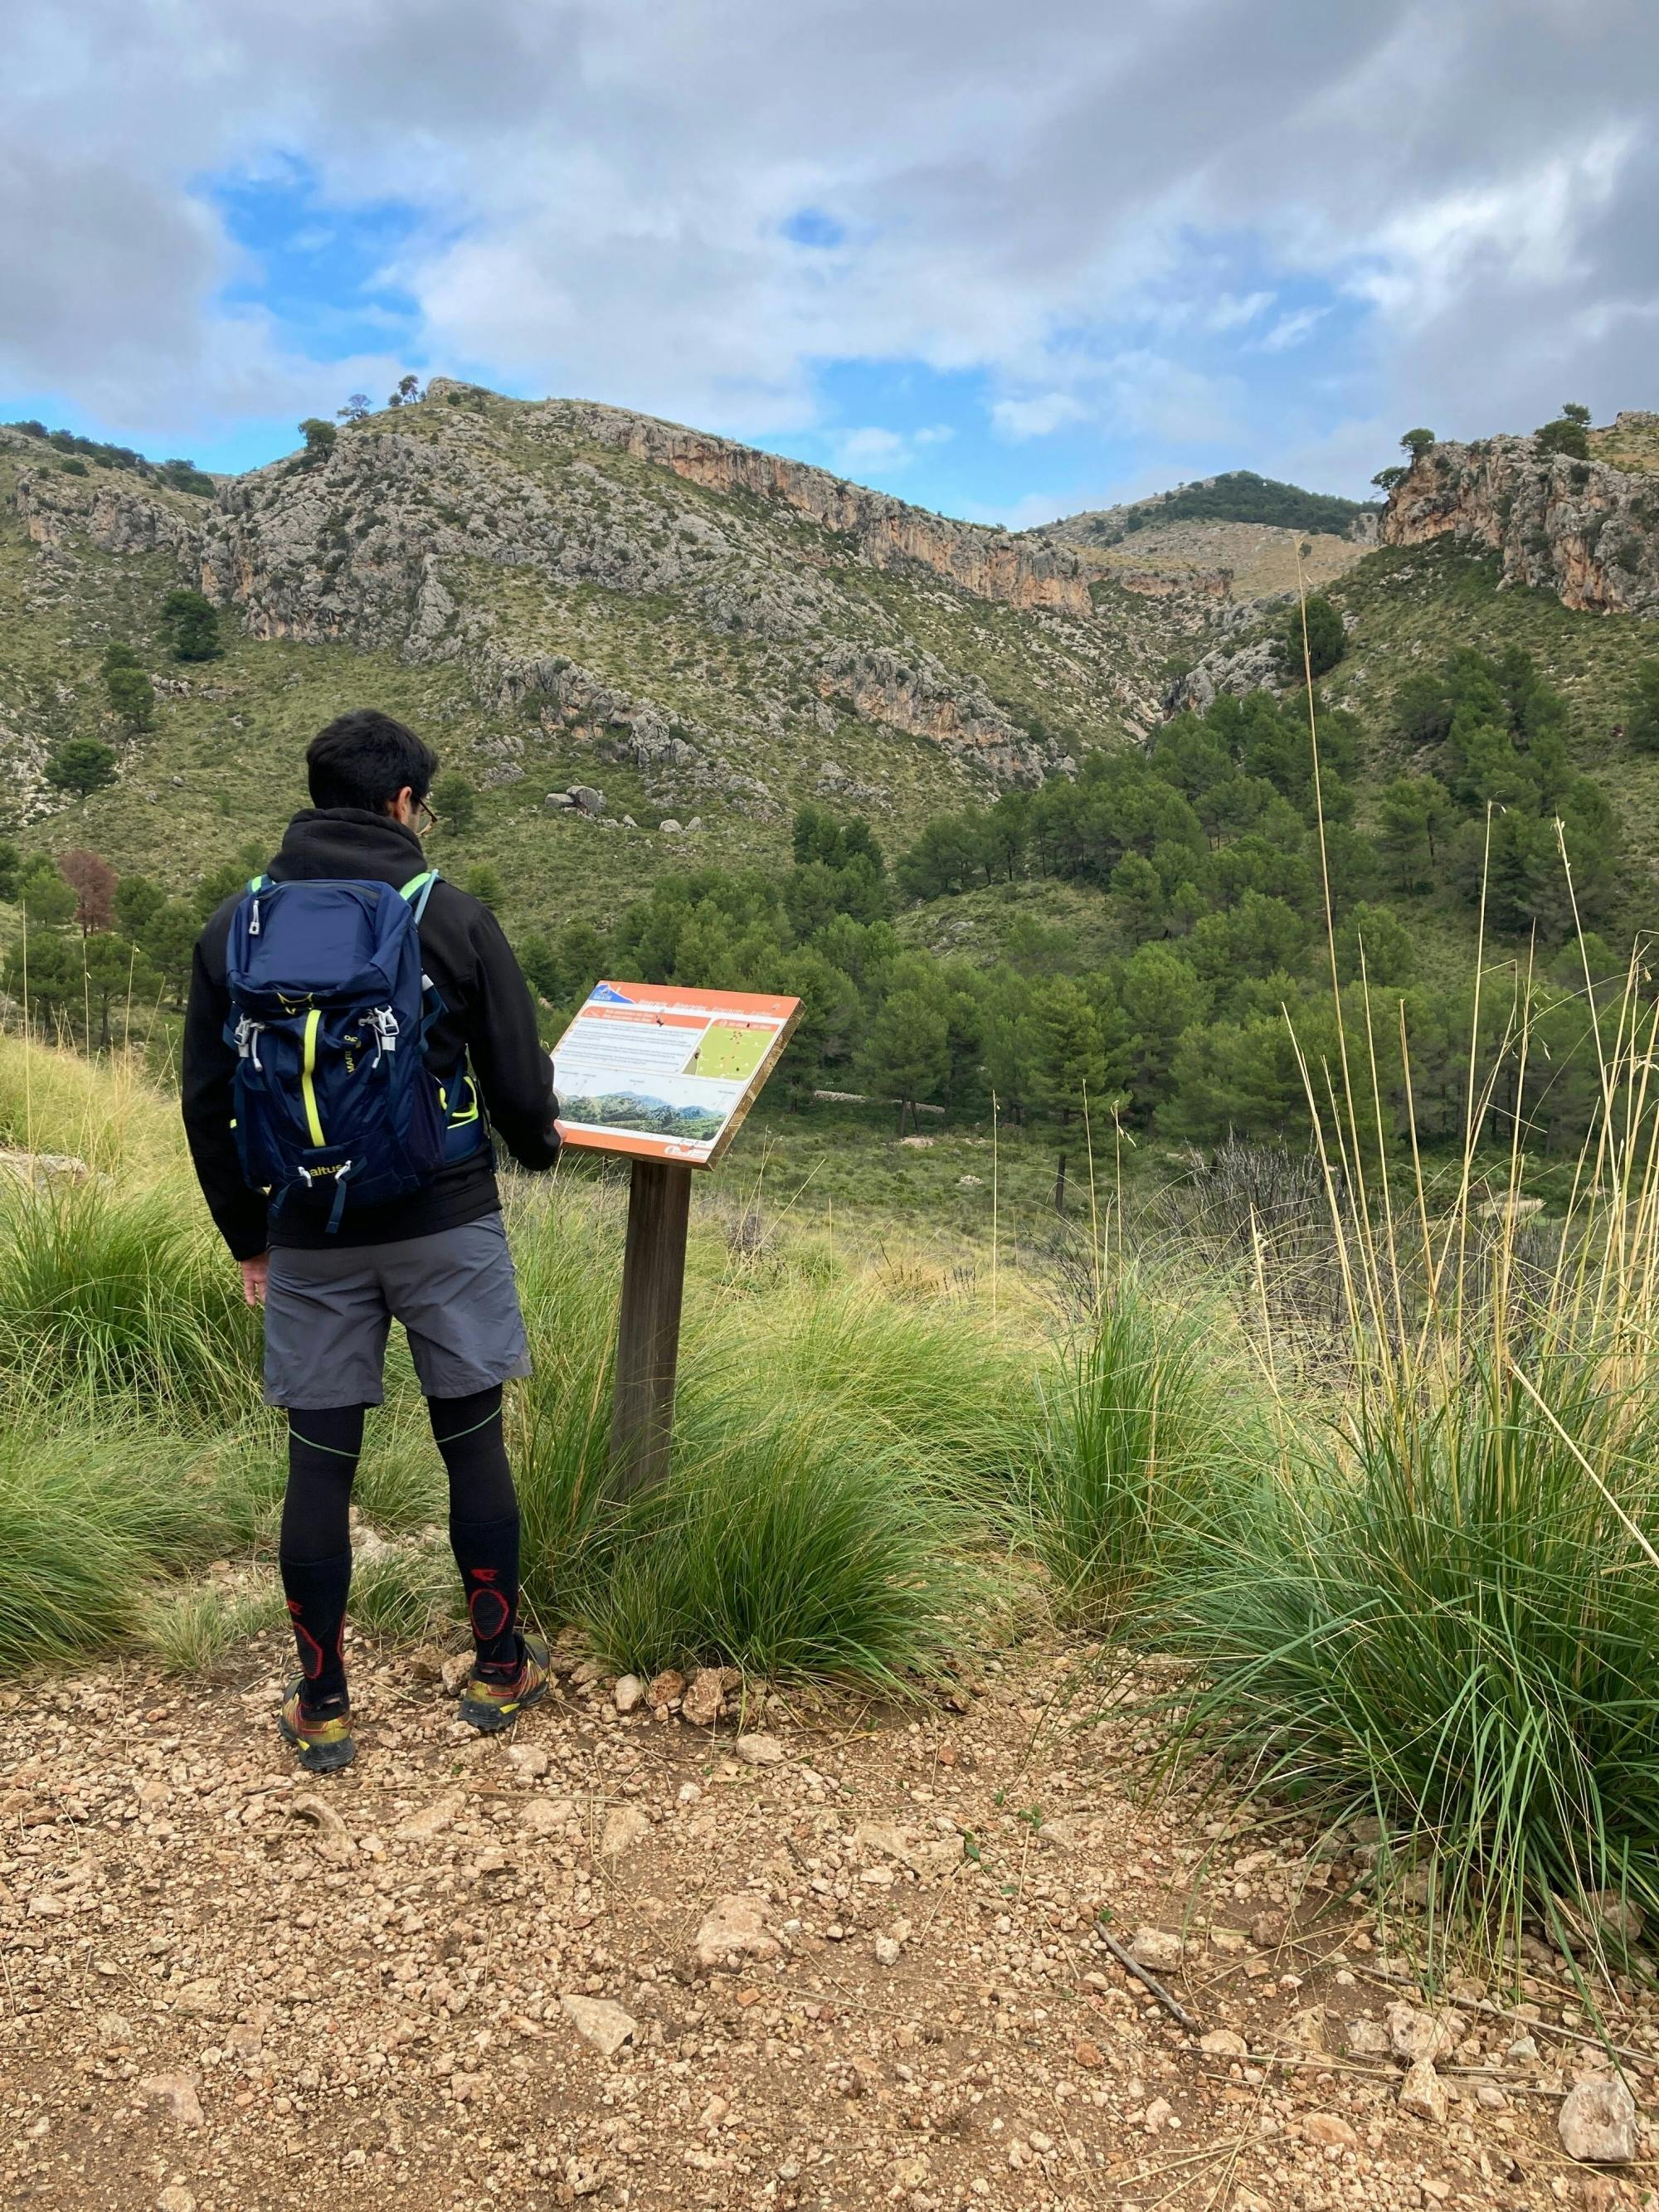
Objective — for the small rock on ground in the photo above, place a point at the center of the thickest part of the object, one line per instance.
(1598, 2124)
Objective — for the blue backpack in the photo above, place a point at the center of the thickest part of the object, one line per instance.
(330, 1014)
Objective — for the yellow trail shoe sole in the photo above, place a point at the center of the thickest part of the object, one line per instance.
(488, 1706)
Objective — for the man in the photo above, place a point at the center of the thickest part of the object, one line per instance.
(332, 1278)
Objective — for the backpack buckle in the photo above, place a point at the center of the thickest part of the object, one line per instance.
(247, 1040)
(386, 1026)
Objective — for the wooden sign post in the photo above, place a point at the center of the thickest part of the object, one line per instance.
(662, 1077)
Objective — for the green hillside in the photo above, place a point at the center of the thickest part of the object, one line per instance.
(1237, 495)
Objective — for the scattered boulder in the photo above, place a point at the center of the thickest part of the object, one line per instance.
(734, 1930)
(1598, 2124)
(1424, 2092)
(605, 2025)
(760, 1750)
(528, 1759)
(1223, 2042)
(1367, 2039)
(1158, 1949)
(456, 1669)
(175, 2097)
(429, 1820)
(1330, 2131)
(586, 798)
(1414, 2034)
(561, 802)
(700, 1703)
(624, 1826)
(663, 1689)
(670, 828)
(628, 1693)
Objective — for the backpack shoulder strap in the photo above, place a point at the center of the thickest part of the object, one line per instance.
(418, 889)
(259, 883)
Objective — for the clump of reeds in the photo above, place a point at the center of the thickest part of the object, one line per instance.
(1441, 1607)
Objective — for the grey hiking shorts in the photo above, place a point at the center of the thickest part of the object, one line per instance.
(328, 1315)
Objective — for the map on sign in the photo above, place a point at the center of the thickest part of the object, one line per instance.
(664, 1073)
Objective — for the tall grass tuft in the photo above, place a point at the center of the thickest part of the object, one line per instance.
(1444, 1609)
(191, 1631)
(1438, 1620)
(1136, 1446)
(780, 1547)
(88, 1516)
(116, 1297)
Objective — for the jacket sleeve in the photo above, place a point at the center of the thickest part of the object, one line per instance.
(208, 1076)
(513, 1066)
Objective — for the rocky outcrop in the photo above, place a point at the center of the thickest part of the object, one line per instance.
(56, 509)
(1256, 665)
(993, 564)
(1585, 530)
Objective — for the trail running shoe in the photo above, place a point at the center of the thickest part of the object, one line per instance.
(489, 1704)
(323, 1738)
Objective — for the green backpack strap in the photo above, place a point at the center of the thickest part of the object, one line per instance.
(418, 889)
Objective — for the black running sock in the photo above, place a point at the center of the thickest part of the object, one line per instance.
(314, 1550)
(484, 1524)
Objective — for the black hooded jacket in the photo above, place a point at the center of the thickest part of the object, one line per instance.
(489, 1019)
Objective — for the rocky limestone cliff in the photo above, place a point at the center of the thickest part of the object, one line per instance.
(691, 635)
(991, 564)
(1584, 530)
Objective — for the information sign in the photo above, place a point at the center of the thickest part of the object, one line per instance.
(658, 1072)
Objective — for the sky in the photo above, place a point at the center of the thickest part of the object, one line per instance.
(1009, 262)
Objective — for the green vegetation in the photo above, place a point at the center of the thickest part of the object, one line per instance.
(1568, 434)
(1239, 496)
(191, 625)
(177, 475)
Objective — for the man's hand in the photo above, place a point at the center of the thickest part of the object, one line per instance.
(255, 1275)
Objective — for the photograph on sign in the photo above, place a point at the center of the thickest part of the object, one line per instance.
(661, 1073)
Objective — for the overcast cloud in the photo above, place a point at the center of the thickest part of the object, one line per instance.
(1292, 225)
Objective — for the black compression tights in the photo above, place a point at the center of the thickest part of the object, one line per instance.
(314, 1552)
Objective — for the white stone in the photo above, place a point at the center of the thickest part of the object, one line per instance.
(175, 2096)
(548, 1816)
(629, 1691)
(605, 2025)
(1156, 1948)
(528, 1759)
(429, 1821)
(759, 1750)
(1424, 2092)
(1223, 2042)
(1598, 2124)
(736, 1928)
(624, 1826)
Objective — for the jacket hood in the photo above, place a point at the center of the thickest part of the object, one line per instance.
(347, 843)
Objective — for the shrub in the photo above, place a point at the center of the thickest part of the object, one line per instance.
(83, 765)
(1132, 1450)
(1440, 1620)
(87, 1514)
(118, 1297)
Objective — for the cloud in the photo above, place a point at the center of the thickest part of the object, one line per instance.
(1291, 329)
(693, 205)
(1037, 417)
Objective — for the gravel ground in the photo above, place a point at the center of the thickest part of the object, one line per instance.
(832, 1958)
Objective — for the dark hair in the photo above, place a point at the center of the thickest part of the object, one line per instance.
(365, 759)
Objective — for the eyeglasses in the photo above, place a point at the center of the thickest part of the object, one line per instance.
(426, 820)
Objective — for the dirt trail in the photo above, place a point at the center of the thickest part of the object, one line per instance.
(228, 1986)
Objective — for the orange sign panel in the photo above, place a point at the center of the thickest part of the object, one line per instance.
(664, 1073)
